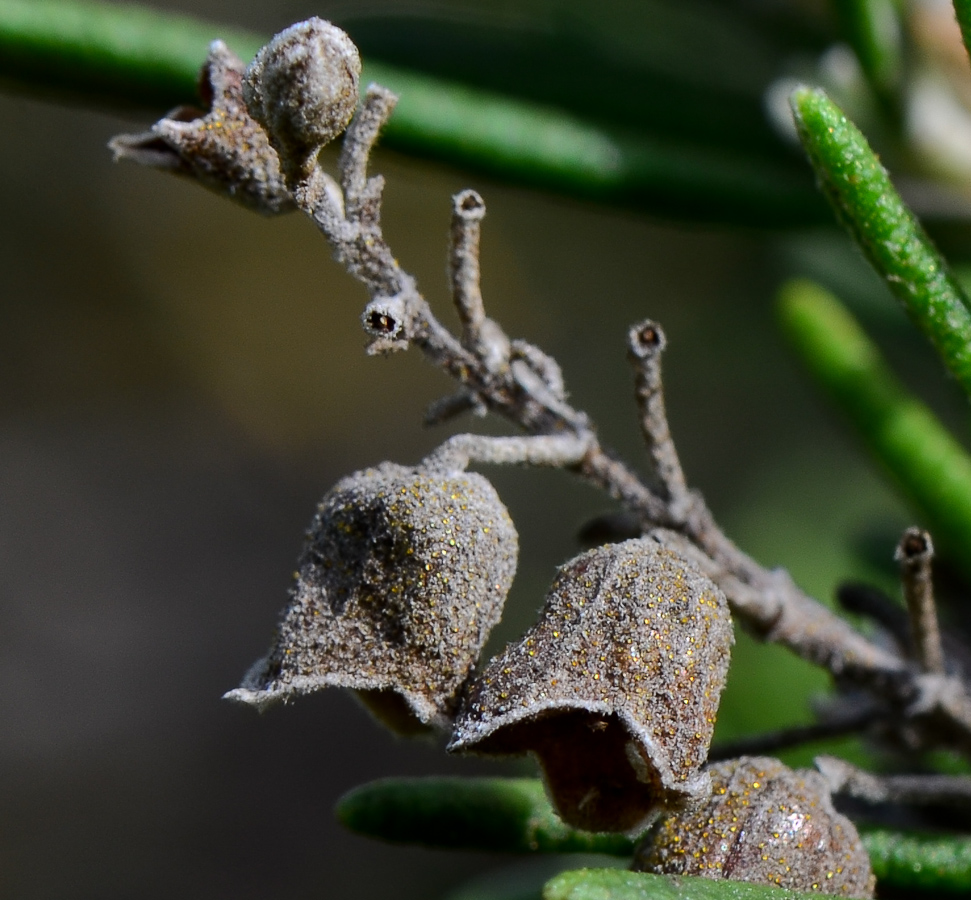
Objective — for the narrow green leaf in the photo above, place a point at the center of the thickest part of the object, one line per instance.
(547, 147)
(962, 9)
(872, 28)
(497, 814)
(697, 75)
(513, 815)
(524, 879)
(860, 191)
(920, 862)
(107, 53)
(911, 444)
(618, 884)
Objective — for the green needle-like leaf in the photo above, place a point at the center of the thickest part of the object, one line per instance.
(860, 191)
(513, 815)
(498, 814)
(922, 457)
(872, 28)
(920, 862)
(617, 884)
(108, 53)
(962, 9)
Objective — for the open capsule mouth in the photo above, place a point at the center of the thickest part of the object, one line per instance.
(602, 771)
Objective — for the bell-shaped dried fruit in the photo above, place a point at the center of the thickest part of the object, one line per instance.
(764, 823)
(302, 87)
(403, 574)
(615, 689)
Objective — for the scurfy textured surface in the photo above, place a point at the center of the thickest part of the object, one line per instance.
(224, 149)
(302, 87)
(764, 823)
(615, 689)
(402, 577)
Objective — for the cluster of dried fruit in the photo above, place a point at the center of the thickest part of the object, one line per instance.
(405, 571)
(403, 575)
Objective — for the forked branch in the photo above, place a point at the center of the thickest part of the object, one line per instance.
(517, 381)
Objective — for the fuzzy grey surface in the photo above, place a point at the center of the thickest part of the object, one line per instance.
(615, 689)
(402, 577)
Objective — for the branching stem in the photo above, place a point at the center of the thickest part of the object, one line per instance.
(519, 382)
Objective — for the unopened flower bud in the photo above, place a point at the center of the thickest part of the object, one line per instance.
(615, 689)
(402, 577)
(764, 823)
(302, 87)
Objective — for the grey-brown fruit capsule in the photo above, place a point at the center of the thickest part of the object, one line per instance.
(764, 823)
(402, 576)
(615, 689)
(302, 87)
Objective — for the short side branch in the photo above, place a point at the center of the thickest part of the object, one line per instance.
(924, 790)
(915, 553)
(645, 343)
(558, 451)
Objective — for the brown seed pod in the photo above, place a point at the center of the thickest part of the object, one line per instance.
(615, 689)
(302, 87)
(403, 574)
(764, 823)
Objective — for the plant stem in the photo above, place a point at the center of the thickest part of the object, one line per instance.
(860, 191)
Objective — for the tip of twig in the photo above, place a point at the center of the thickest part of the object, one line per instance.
(915, 546)
(468, 205)
(646, 339)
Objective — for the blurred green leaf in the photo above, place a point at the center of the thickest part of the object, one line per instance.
(498, 814)
(566, 62)
(524, 880)
(962, 10)
(873, 30)
(615, 884)
(920, 862)
(106, 53)
(907, 440)
(513, 815)
(860, 191)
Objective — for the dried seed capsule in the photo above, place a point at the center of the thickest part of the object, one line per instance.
(402, 576)
(302, 87)
(615, 689)
(764, 823)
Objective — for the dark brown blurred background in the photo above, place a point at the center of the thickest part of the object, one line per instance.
(179, 382)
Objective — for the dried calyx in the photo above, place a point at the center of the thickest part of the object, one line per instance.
(223, 148)
(614, 690)
(764, 823)
(403, 574)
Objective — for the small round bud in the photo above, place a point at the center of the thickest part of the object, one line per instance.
(764, 823)
(402, 577)
(302, 87)
(615, 689)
